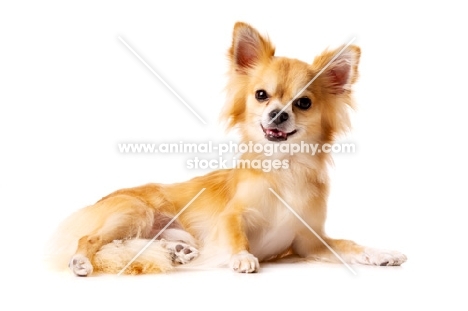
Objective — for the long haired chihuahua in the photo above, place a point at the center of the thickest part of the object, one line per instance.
(242, 216)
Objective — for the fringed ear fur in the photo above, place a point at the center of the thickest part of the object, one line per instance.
(248, 48)
(336, 81)
(342, 72)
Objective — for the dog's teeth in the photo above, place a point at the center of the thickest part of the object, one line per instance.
(275, 133)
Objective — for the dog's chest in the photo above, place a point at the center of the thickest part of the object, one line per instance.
(274, 230)
(273, 237)
(271, 225)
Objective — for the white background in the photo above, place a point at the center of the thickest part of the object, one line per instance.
(70, 91)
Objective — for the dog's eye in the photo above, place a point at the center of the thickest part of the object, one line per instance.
(261, 95)
(303, 103)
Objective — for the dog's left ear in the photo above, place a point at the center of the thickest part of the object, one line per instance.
(342, 70)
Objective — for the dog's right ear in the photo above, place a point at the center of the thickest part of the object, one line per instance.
(248, 48)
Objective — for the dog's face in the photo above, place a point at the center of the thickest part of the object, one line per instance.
(271, 104)
(279, 99)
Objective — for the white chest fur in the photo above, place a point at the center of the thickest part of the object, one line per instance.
(271, 226)
(274, 238)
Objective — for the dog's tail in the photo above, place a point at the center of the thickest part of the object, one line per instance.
(126, 257)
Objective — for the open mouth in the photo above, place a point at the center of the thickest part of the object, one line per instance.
(276, 135)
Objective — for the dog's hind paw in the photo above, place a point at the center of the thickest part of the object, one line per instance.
(80, 265)
(244, 262)
(379, 257)
(181, 252)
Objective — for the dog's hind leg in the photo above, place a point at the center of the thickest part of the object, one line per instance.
(114, 218)
(80, 263)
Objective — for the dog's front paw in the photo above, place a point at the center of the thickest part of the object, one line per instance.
(244, 262)
(80, 265)
(181, 252)
(378, 257)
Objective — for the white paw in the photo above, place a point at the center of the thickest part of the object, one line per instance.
(80, 265)
(181, 252)
(378, 257)
(244, 262)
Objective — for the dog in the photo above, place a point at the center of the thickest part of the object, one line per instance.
(239, 216)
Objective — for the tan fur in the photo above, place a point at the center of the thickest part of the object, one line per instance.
(237, 213)
(113, 257)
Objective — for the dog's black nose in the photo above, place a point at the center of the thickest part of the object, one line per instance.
(281, 118)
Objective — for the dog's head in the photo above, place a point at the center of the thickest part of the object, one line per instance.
(286, 100)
